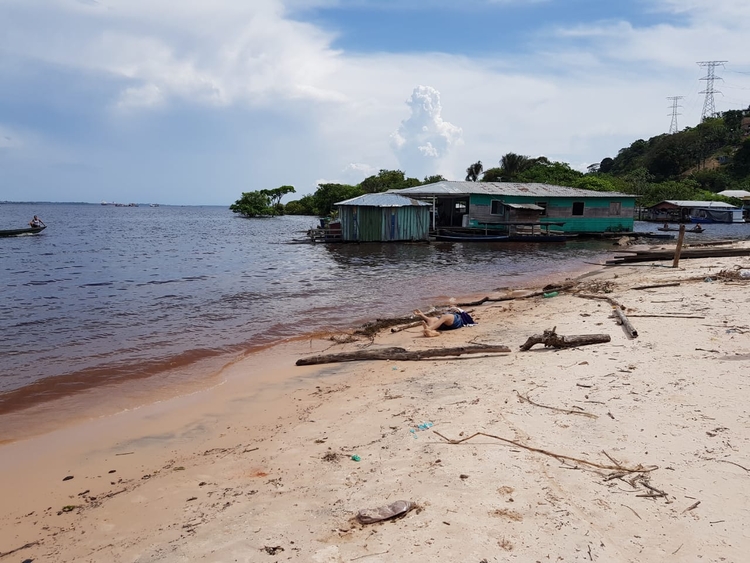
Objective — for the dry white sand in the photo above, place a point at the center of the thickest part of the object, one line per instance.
(260, 468)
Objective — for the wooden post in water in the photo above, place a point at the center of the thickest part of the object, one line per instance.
(678, 249)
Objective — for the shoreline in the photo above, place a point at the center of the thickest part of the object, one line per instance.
(262, 458)
(94, 403)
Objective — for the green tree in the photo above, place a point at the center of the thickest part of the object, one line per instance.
(716, 180)
(741, 161)
(628, 159)
(596, 183)
(493, 175)
(328, 194)
(545, 172)
(433, 179)
(387, 180)
(473, 171)
(254, 204)
(605, 166)
(303, 206)
(275, 195)
(513, 164)
(638, 181)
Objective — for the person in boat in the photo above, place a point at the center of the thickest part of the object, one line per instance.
(445, 321)
(36, 222)
(698, 228)
(666, 226)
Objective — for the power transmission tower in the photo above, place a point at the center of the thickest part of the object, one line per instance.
(708, 104)
(673, 126)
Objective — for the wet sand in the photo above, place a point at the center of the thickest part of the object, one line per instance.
(631, 450)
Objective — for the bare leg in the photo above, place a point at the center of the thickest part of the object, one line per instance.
(432, 323)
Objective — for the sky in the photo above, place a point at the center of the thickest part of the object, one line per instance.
(192, 102)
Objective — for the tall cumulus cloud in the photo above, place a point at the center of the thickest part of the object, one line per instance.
(424, 138)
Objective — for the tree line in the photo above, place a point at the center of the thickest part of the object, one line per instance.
(693, 164)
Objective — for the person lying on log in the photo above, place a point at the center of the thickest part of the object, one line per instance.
(445, 321)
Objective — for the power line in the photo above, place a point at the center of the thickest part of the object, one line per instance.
(708, 105)
(673, 126)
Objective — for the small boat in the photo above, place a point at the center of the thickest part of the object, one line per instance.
(457, 237)
(696, 229)
(540, 238)
(26, 231)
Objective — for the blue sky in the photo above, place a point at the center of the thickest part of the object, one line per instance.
(194, 102)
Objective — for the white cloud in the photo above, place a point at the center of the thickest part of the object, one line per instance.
(578, 94)
(424, 137)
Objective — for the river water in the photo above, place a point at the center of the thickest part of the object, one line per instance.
(108, 294)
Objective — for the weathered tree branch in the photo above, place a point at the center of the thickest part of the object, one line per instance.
(396, 353)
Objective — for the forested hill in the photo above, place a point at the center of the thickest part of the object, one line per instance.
(695, 163)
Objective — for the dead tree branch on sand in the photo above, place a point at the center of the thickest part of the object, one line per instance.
(396, 353)
(602, 297)
(551, 339)
(535, 293)
(638, 469)
(526, 399)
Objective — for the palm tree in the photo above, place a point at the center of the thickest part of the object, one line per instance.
(473, 171)
(513, 164)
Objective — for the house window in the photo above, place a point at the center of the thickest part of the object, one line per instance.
(496, 207)
(615, 207)
(543, 205)
(460, 207)
(578, 208)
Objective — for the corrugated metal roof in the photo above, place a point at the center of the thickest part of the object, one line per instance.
(735, 193)
(689, 203)
(533, 206)
(502, 188)
(384, 199)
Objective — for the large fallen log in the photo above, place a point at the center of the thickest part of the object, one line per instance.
(396, 353)
(551, 339)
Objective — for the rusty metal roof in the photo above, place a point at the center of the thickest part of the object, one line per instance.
(448, 188)
(384, 199)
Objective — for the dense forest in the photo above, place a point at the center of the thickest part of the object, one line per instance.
(693, 164)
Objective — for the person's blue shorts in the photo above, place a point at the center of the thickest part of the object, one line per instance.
(458, 322)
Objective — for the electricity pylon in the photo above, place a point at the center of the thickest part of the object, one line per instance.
(708, 104)
(673, 126)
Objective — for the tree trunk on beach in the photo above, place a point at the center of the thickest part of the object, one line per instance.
(551, 339)
(396, 353)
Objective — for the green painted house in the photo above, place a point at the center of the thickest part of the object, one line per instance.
(384, 217)
(500, 205)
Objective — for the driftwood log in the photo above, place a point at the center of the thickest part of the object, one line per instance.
(396, 353)
(551, 339)
(629, 328)
(535, 293)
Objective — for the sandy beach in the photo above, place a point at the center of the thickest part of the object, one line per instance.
(630, 450)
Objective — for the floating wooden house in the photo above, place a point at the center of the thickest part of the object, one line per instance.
(686, 211)
(498, 205)
(382, 217)
(743, 195)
